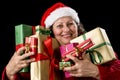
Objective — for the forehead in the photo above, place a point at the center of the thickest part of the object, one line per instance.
(64, 19)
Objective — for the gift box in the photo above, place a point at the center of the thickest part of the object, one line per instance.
(74, 49)
(43, 67)
(64, 49)
(102, 50)
(22, 31)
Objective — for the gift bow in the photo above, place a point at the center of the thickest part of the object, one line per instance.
(92, 50)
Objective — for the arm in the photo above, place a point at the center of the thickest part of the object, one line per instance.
(110, 71)
(16, 63)
(4, 76)
(18, 76)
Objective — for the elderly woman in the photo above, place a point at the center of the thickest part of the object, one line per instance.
(65, 25)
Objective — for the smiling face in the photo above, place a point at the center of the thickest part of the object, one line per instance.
(65, 29)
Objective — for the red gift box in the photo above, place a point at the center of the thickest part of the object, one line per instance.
(77, 50)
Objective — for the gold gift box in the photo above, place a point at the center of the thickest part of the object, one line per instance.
(40, 69)
(102, 50)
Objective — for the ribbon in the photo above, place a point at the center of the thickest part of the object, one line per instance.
(48, 45)
(40, 56)
(48, 49)
(43, 31)
(92, 50)
(19, 46)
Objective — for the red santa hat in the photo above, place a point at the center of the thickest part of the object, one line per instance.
(55, 12)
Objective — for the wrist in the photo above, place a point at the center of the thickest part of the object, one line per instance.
(9, 75)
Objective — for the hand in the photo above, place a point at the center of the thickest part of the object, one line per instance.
(17, 62)
(82, 68)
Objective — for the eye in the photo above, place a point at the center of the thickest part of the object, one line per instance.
(59, 26)
(70, 24)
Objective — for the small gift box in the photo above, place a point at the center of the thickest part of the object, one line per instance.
(102, 50)
(22, 31)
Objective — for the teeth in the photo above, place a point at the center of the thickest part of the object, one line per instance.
(66, 35)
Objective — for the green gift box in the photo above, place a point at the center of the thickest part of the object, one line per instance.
(22, 31)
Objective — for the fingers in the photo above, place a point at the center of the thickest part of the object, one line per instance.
(25, 63)
(20, 50)
(70, 69)
(26, 55)
(74, 59)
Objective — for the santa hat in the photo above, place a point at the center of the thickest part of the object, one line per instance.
(55, 12)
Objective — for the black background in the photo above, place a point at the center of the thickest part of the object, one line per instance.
(92, 14)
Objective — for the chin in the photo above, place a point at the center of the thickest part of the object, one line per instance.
(67, 42)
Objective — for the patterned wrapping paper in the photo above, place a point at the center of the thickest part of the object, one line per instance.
(22, 31)
(42, 69)
(102, 51)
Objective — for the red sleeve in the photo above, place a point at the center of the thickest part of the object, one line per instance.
(18, 76)
(4, 77)
(110, 71)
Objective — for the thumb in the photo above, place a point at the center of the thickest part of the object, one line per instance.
(83, 56)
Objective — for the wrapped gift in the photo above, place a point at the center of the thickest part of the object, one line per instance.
(63, 50)
(22, 31)
(102, 50)
(43, 67)
(74, 49)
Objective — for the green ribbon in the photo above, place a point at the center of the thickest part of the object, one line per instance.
(43, 31)
(92, 50)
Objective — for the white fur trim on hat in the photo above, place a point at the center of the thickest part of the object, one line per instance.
(61, 12)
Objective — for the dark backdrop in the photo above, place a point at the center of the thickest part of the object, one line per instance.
(92, 14)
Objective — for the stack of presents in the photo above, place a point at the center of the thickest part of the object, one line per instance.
(50, 57)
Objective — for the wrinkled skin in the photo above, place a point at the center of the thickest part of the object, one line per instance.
(17, 62)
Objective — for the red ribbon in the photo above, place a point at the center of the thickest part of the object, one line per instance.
(49, 51)
(19, 46)
(48, 45)
(40, 56)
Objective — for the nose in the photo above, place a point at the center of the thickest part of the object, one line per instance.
(66, 29)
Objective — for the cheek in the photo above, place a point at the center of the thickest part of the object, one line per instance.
(56, 32)
(74, 30)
